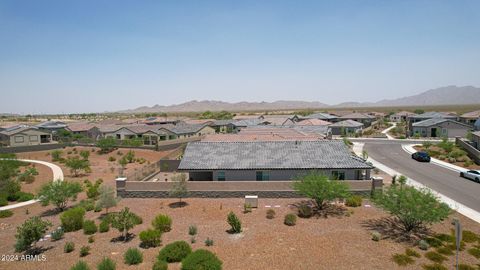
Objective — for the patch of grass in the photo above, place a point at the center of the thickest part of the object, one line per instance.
(467, 267)
(402, 259)
(434, 242)
(412, 253)
(444, 237)
(475, 252)
(435, 257)
(434, 267)
(469, 236)
(6, 213)
(445, 251)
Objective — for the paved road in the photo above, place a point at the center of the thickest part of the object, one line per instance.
(435, 177)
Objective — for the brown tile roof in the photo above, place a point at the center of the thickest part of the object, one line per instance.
(471, 115)
(313, 122)
(78, 127)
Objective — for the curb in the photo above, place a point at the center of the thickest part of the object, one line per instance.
(409, 149)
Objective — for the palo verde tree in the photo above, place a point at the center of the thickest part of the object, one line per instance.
(76, 165)
(30, 232)
(125, 220)
(179, 188)
(106, 198)
(412, 207)
(59, 193)
(319, 188)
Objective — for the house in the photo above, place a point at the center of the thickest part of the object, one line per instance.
(363, 118)
(160, 121)
(223, 126)
(186, 131)
(322, 116)
(346, 127)
(428, 115)
(52, 126)
(271, 161)
(470, 118)
(313, 122)
(440, 127)
(88, 130)
(400, 116)
(24, 136)
(476, 139)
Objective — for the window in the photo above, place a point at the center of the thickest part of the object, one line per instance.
(263, 176)
(444, 131)
(221, 176)
(337, 175)
(19, 139)
(171, 137)
(118, 136)
(33, 138)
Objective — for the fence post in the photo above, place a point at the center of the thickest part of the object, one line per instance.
(120, 183)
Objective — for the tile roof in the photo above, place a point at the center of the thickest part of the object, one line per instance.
(347, 123)
(270, 155)
(472, 115)
(323, 116)
(258, 137)
(185, 129)
(19, 129)
(435, 121)
(428, 115)
(356, 116)
(313, 122)
(52, 125)
(404, 113)
(77, 127)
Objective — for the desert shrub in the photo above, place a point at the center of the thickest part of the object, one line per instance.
(402, 259)
(423, 245)
(434, 242)
(112, 159)
(69, 247)
(354, 201)
(72, 219)
(445, 251)
(106, 264)
(453, 246)
(201, 259)
(435, 266)
(271, 214)
(192, 230)
(89, 227)
(247, 208)
(193, 240)
(457, 153)
(412, 253)
(104, 226)
(24, 196)
(376, 236)
(57, 234)
(435, 257)
(150, 238)
(163, 223)
(160, 265)
(3, 201)
(97, 208)
(234, 222)
(88, 205)
(444, 237)
(290, 219)
(208, 242)
(469, 236)
(175, 252)
(6, 213)
(305, 210)
(80, 265)
(466, 267)
(133, 256)
(84, 251)
(475, 252)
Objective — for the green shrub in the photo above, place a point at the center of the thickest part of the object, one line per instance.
(466, 267)
(3, 201)
(106, 264)
(89, 227)
(133, 256)
(6, 213)
(475, 252)
(84, 251)
(402, 259)
(57, 234)
(72, 219)
(469, 236)
(234, 222)
(435, 257)
(305, 210)
(412, 253)
(160, 265)
(208, 242)
(354, 201)
(444, 237)
(69, 247)
(376, 236)
(192, 230)
(91, 239)
(163, 223)
(104, 226)
(290, 220)
(434, 242)
(175, 252)
(247, 208)
(80, 265)
(435, 266)
(271, 214)
(150, 238)
(24, 196)
(201, 259)
(112, 159)
(423, 245)
(445, 251)
(88, 205)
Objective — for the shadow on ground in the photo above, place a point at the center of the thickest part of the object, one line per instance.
(392, 228)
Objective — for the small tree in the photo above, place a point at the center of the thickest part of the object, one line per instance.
(56, 155)
(92, 189)
(85, 154)
(234, 222)
(106, 198)
(59, 193)
(413, 208)
(30, 232)
(106, 145)
(76, 165)
(130, 156)
(179, 189)
(125, 220)
(319, 188)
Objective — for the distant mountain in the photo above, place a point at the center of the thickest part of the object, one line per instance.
(449, 95)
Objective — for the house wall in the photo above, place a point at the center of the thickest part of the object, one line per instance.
(28, 137)
(338, 130)
(446, 129)
(476, 141)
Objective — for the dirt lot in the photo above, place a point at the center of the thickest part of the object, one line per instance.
(315, 243)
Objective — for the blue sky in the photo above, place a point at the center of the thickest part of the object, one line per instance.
(93, 56)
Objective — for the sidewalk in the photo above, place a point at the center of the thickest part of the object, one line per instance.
(385, 131)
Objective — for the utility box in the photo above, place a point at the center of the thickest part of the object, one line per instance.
(252, 200)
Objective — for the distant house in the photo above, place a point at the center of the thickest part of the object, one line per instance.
(440, 127)
(271, 161)
(346, 127)
(160, 121)
(313, 122)
(363, 118)
(52, 126)
(223, 126)
(24, 136)
(470, 118)
(322, 116)
(87, 130)
(428, 115)
(400, 116)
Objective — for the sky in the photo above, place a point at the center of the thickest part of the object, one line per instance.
(95, 56)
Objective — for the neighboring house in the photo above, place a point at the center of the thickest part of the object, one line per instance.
(87, 130)
(52, 126)
(24, 136)
(400, 116)
(346, 127)
(440, 127)
(470, 118)
(425, 116)
(476, 139)
(271, 161)
(160, 121)
(322, 116)
(223, 126)
(187, 131)
(363, 118)
(313, 122)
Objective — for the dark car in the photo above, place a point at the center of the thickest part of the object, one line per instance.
(421, 156)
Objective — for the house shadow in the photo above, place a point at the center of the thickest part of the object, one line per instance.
(177, 204)
(391, 228)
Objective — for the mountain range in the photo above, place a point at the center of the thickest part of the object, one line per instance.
(448, 95)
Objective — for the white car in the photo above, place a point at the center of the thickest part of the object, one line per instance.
(472, 174)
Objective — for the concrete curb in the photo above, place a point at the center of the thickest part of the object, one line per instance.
(57, 176)
(409, 149)
(460, 208)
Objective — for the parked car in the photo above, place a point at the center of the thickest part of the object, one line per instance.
(472, 175)
(421, 156)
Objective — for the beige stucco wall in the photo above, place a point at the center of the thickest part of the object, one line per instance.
(27, 137)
